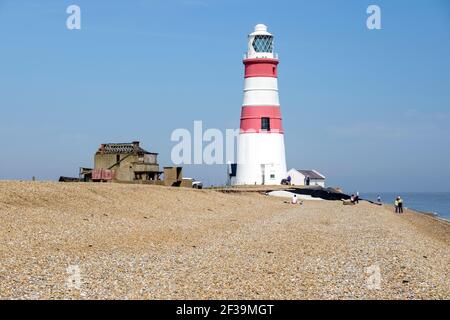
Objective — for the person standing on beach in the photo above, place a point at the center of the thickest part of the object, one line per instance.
(400, 205)
(379, 199)
(396, 205)
(294, 199)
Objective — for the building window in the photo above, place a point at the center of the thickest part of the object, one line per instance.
(265, 124)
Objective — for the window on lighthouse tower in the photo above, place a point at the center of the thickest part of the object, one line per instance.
(265, 124)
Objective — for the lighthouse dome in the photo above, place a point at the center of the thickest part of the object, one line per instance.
(261, 27)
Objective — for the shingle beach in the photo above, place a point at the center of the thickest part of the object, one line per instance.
(114, 241)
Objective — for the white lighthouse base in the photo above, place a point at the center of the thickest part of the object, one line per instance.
(261, 159)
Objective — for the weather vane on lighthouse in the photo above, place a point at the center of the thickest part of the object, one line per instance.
(261, 158)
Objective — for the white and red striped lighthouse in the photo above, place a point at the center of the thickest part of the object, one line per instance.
(260, 153)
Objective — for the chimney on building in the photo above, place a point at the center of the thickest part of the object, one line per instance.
(135, 147)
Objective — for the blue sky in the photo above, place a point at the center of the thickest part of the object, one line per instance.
(368, 108)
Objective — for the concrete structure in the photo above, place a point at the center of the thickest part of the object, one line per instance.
(261, 152)
(125, 162)
(300, 177)
(173, 176)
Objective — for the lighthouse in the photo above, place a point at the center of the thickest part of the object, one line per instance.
(261, 158)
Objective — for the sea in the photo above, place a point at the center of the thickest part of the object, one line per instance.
(437, 203)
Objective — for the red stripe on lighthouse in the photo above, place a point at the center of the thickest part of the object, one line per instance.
(261, 68)
(251, 119)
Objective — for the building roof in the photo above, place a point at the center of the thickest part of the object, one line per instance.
(122, 148)
(313, 174)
